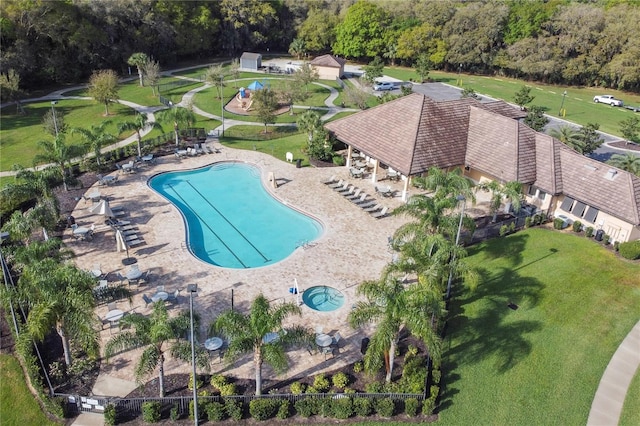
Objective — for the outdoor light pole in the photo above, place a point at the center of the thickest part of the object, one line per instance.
(459, 78)
(193, 288)
(464, 202)
(222, 102)
(53, 114)
(564, 94)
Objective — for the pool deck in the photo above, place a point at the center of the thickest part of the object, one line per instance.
(352, 249)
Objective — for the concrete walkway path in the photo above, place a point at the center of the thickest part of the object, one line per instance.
(612, 390)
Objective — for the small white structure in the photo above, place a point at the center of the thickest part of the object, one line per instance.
(251, 61)
(329, 67)
(289, 157)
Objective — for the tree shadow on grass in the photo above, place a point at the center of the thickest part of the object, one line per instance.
(510, 248)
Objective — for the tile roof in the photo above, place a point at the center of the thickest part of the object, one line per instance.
(414, 133)
(250, 55)
(328, 61)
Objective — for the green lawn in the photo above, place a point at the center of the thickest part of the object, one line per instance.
(539, 364)
(578, 103)
(276, 143)
(631, 406)
(17, 406)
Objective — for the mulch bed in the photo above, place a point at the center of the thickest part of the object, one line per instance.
(626, 145)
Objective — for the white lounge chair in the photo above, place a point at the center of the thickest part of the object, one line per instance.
(381, 214)
(373, 209)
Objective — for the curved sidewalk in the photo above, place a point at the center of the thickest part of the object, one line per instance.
(612, 390)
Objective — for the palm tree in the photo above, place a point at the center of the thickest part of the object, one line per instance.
(95, 138)
(59, 296)
(245, 334)
(58, 153)
(570, 137)
(393, 307)
(628, 162)
(309, 121)
(153, 332)
(139, 60)
(297, 47)
(139, 124)
(446, 184)
(179, 117)
(511, 191)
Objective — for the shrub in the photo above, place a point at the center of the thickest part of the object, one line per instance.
(228, 389)
(339, 160)
(537, 219)
(110, 415)
(215, 411)
(412, 350)
(558, 223)
(385, 407)
(414, 375)
(342, 408)
(429, 405)
(321, 383)
(218, 380)
(284, 411)
(527, 222)
(512, 227)
(605, 239)
(200, 410)
(504, 230)
(297, 388)
(630, 250)
(307, 407)
(349, 390)
(199, 382)
(588, 232)
(151, 411)
(174, 414)
(234, 409)
(616, 246)
(577, 226)
(411, 407)
(374, 387)
(263, 409)
(311, 389)
(340, 380)
(363, 407)
(358, 367)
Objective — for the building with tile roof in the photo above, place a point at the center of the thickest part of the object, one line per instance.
(489, 142)
(329, 67)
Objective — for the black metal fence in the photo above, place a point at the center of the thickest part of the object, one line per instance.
(167, 87)
(132, 407)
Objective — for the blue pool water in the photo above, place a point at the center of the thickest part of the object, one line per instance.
(323, 298)
(232, 221)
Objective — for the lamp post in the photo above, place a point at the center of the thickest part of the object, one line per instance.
(222, 102)
(459, 78)
(53, 114)
(564, 94)
(464, 202)
(193, 288)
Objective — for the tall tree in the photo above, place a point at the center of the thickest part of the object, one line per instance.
(177, 116)
(630, 129)
(214, 75)
(373, 70)
(151, 70)
(318, 30)
(245, 334)
(423, 66)
(523, 97)
(469, 92)
(59, 153)
(153, 333)
(138, 125)
(139, 60)
(297, 48)
(10, 88)
(95, 138)
(265, 104)
(446, 185)
(309, 121)
(103, 87)
(536, 119)
(60, 296)
(234, 69)
(305, 75)
(590, 138)
(628, 162)
(361, 34)
(246, 23)
(511, 191)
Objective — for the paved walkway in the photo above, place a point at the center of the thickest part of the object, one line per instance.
(612, 390)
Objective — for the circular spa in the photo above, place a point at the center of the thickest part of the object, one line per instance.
(323, 298)
(232, 220)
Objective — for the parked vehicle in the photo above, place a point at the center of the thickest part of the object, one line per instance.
(633, 108)
(384, 85)
(608, 99)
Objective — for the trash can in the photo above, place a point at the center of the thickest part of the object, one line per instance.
(599, 234)
(71, 221)
(298, 163)
(364, 344)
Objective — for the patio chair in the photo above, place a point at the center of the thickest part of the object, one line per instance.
(331, 180)
(335, 341)
(373, 209)
(173, 297)
(349, 192)
(336, 184)
(355, 195)
(342, 187)
(381, 214)
(319, 329)
(147, 300)
(326, 351)
(361, 199)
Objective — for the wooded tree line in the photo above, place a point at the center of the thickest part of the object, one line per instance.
(593, 43)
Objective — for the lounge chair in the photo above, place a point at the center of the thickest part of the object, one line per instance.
(342, 187)
(331, 180)
(173, 297)
(373, 209)
(350, 192)
(361, 199)
(337, 184)
(134, 243)
(345, 188)
(208, 150)
(381, 214)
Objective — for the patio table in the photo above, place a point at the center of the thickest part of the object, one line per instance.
(161, 295)
(114, 315)
(213, 343)
(134, 274)
(323, 340)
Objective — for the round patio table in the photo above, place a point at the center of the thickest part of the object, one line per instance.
(323, 340)
(114, 315)
(161, 295)
(213, 343)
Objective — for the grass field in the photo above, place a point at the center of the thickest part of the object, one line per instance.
(17, 406)
(539, 364)
(631, 406)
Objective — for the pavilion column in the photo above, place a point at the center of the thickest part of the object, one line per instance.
(349, 154)
(405, 190)
(376, 166)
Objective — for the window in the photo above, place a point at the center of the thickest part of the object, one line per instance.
(566, 204)
(591, 215)
(542, 195)
(532, 191)
(578, 209)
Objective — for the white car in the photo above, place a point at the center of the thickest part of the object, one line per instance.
(608, 99)
(385, 85)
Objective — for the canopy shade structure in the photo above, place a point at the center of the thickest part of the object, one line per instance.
(102, 208)
(256, 85)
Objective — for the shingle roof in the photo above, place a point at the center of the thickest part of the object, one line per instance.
(249, 55)
(328, 61)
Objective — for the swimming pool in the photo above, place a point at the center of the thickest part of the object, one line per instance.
(232, 221)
